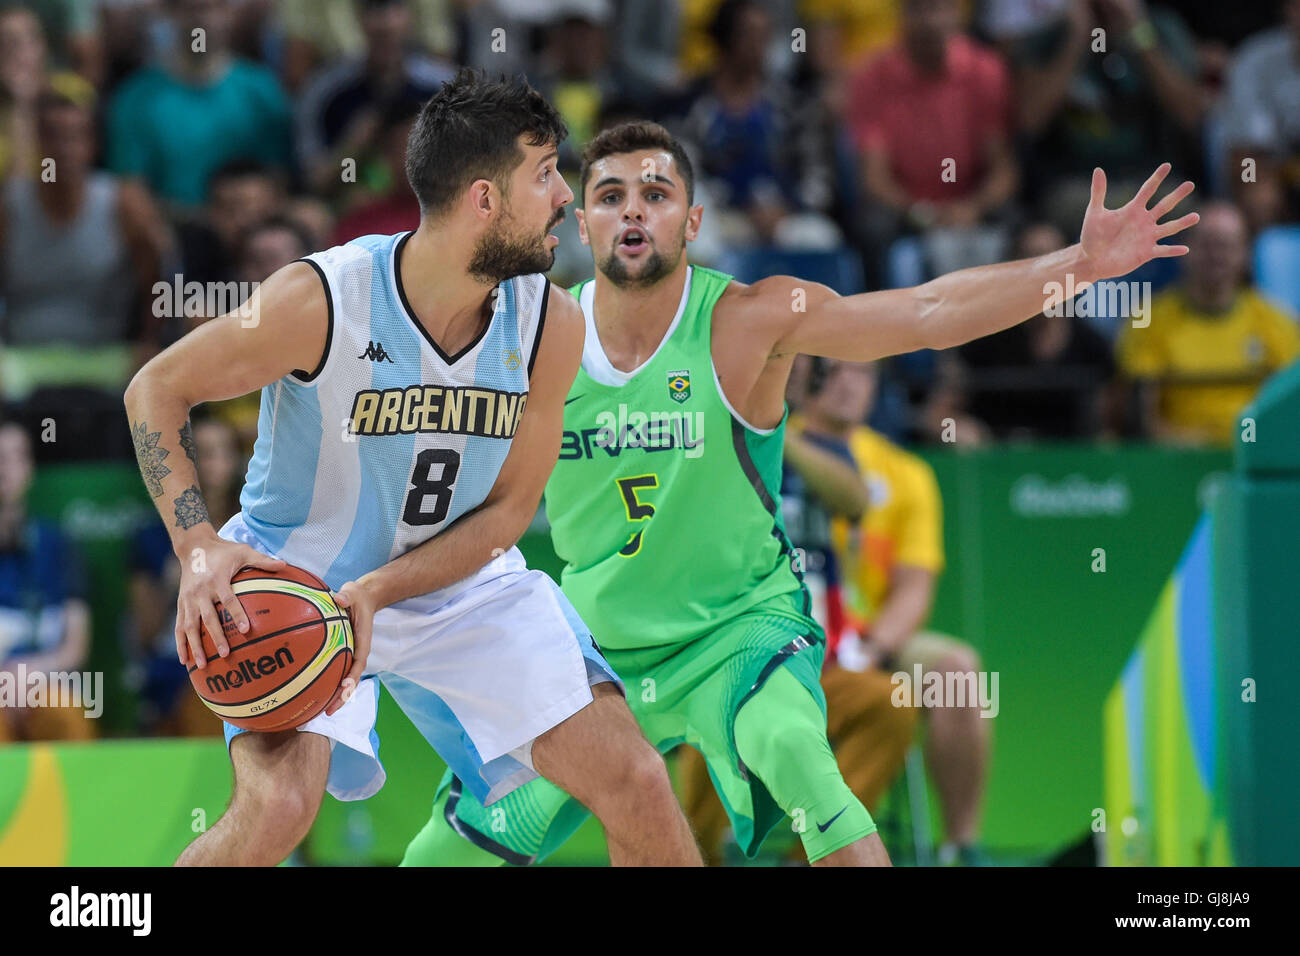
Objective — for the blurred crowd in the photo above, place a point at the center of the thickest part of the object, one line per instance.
(155, 152)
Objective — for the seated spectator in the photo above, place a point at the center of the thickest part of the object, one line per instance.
(341, 111)
(44, 618)
(240, 194)
(266, 247)
(23, 77)
(79, 255)
(325, 31)
(1261, 115)
(869, 735)
(175, 124)
(931, 117)
(395, 208)
(1126, 107)
(169, 705)
(1051, 377)
(1211, 341)
(740, 122)
(574, 71)
(891, 560)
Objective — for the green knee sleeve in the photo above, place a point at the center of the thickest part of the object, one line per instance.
(781, 737)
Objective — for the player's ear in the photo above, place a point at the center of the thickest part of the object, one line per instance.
(483, 197)
(582, 226)
(694, 216)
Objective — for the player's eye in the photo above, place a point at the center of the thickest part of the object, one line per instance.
(608, 197)
(655, 194)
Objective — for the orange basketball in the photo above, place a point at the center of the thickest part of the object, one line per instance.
(287, 667)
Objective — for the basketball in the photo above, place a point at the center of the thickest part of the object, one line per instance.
(284, 671)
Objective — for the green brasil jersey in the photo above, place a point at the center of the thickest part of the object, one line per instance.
(663, 504)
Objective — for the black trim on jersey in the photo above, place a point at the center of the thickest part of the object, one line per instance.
(329, 330)
(410, 313)
(541, 324)
(756, 481)
(478, 839)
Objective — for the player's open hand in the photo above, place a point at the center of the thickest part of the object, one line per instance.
(205, 582)
(360, 605)
(1117, 241)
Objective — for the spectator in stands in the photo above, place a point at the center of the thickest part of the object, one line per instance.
(931, 117)
(647, 38)
(341, 112)
(80, 251)
(325, 31)
(574, 72)
(740, 122)
(1211, 341)
(174, 124)
(1050, 378)
(44, 618)
(864, 27)
(72, 29)
(1261, 114)
(1125, 98)
(891, 560)
(240, 194)
(23, 77)
(168, 704)
(393, 209)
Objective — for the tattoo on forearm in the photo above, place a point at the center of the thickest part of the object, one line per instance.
(190, 509)
(150, 457)
(187, 443)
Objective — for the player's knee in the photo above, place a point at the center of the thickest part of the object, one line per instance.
(642, 779)
(779, 746)
(278, 809)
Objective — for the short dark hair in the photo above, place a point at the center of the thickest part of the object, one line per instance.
(632, 137)
(469, 130)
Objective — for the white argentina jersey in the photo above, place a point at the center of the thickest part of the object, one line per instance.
(390, 439)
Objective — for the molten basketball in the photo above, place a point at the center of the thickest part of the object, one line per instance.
(284, 671)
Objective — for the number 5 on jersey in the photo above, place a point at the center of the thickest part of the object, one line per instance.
(636, 510)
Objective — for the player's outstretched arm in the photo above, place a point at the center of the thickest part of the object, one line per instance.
(495, 525)
(281, 329)
(971, 303)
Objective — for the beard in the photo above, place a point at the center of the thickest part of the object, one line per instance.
(657, 265)
(499, 255)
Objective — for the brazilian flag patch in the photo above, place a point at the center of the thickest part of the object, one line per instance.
(679, 385)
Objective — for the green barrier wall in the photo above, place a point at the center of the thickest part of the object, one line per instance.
(1021, 530)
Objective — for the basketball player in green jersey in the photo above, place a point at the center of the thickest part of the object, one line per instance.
(665, 501)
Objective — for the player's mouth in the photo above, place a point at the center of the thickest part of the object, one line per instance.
(550, 234)
(634, 240)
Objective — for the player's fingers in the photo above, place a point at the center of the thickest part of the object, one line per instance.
(1172, 199)
(208, 614)
(1164, 252)
(1099, 187)
(194, 641)
(1152, 184)
(1164, 230)
(256, 559)
(182, 646)
(230, 603)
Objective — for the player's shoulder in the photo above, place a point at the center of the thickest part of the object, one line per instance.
(564, 327)
(778, 298)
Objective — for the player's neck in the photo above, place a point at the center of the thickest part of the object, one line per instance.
(442, 296)
(633, 320)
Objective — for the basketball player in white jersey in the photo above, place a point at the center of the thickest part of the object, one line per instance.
(412, 400)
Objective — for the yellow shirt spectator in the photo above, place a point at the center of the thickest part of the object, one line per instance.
(903, 525)
(1239, 349)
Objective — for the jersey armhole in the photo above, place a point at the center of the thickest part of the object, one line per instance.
(298, 374)
(541, 325)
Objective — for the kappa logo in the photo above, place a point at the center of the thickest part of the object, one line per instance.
(375, 352)
(679, 385)
(511, 359)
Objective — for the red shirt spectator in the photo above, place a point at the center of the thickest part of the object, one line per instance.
(920, 120)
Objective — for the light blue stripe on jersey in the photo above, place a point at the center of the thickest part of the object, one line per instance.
(482, 459)
(277, 492)
(385, 464)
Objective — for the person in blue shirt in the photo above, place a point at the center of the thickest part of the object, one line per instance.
(44, 618)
